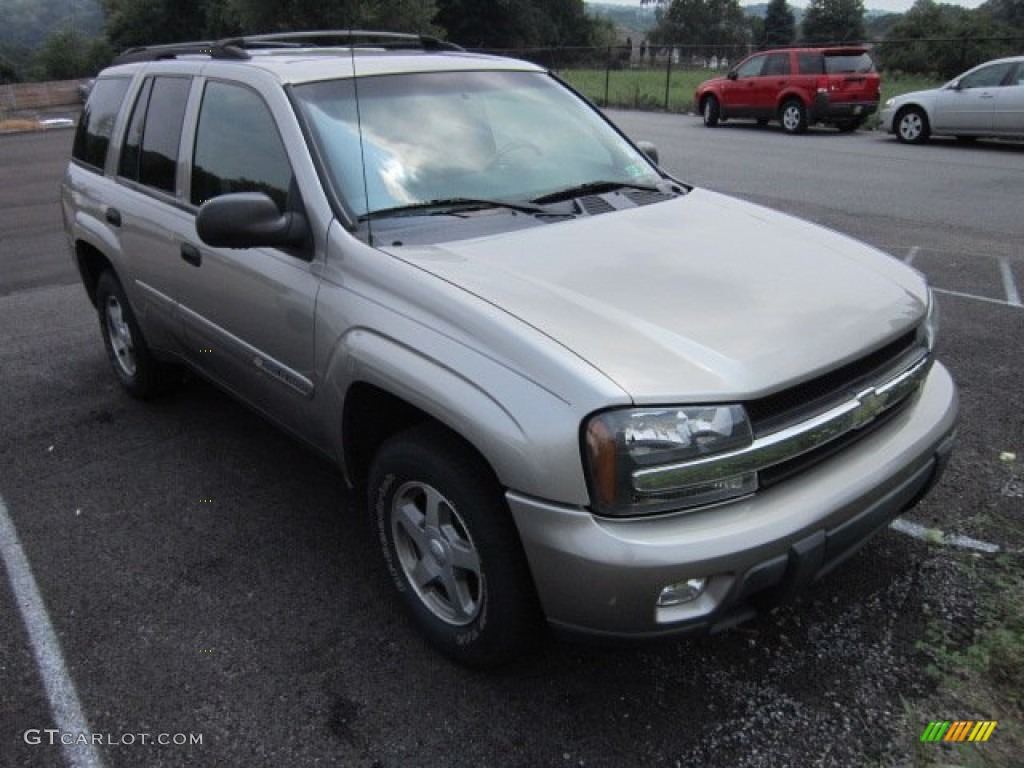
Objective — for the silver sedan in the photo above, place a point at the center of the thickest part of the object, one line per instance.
(985, 101)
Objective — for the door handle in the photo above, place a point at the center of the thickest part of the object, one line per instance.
(191, 254)
(113, 216)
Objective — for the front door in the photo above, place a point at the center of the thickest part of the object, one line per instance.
(247, 314)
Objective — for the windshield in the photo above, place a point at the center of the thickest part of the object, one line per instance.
(439, 136)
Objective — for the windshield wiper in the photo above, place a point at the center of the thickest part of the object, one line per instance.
(592, 188)
(448, 204)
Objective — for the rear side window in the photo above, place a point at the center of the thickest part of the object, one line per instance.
(849, 64)
(238, 148)
(811, 63)
(777, 64)
(96, 125)
(150, 152)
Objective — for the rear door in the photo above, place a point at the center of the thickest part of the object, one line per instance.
(146, 207)
(775, 77)
(1008, 110)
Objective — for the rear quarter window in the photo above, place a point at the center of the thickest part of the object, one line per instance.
(856, 64)
(96, 125)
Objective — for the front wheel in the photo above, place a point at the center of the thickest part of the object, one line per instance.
(711, 111)
(452, 548)
(138, 371)
(912, 126)
(793, 116)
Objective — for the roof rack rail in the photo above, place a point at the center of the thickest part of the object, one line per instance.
(236, 47)
(215, 49)
(348, 37)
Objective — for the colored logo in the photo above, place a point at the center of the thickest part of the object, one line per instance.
(959, 730)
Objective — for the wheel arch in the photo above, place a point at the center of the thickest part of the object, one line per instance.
(91, 263)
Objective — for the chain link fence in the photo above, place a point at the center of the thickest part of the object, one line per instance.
(665, 76)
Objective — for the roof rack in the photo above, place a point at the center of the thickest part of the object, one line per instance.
(237, 47)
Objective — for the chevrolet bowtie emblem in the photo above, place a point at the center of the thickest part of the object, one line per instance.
(870, 403)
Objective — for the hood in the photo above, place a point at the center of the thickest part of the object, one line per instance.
(704, 297)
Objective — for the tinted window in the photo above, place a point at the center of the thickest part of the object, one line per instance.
(849, 64)
(238, 148)
(987, 77)
(96, 124)
(811, 63)
(777, 64)
(129, 162)
(162, 134)
(750, 67)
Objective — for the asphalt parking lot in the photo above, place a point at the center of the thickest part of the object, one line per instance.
(198, 574)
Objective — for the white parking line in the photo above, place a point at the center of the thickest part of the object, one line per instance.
(1012, 295)
(911, 255)
(67, 711)
(986, 299)
(938, 537)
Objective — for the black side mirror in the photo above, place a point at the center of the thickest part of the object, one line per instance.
(732, 75)
(249, 220)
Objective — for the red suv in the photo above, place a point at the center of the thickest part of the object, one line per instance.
(797, 87)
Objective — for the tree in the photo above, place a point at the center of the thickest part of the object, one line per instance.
(834, 21)
(779, 24)
(517, 23)
(942, 40)
(713, 23)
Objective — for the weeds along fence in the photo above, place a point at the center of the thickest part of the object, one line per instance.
(665, 76)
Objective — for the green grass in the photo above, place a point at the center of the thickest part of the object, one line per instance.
(645, 88)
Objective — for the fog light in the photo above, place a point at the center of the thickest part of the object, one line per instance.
(683, 592)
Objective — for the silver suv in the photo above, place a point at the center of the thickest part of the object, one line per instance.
(570, 387)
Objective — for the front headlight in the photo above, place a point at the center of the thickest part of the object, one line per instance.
(890, 102)
(623, 447)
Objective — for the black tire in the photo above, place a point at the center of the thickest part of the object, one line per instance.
(793, 116)
(454, 553)
(139, 372)
(711, 111)
(911, 126)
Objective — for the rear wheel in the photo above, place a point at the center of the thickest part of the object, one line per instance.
(452, 548)
(138, 371)
(793, 116)
(711, 111)
(912, 126)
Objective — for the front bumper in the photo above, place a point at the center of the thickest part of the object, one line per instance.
(886, 118)
(602, 577)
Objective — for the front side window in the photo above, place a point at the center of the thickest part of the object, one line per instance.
(987, 77)
(150, 151)
(238, 147)
(751, 67)
(96, 125)
(425, 137)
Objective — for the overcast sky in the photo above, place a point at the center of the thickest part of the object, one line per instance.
(896, 6)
